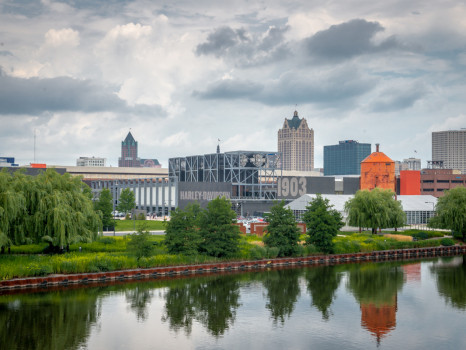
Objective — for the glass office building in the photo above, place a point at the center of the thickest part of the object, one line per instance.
(345, 158)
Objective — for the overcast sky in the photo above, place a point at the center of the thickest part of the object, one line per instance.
(183, 74)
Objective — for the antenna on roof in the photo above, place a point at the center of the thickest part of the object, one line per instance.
(218, 146)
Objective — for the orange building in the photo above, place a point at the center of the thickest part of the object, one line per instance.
(410, 182)
(377, 171)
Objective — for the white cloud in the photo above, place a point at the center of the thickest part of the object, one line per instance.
(62, 37)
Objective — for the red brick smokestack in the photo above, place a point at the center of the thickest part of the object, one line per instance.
(377, 147)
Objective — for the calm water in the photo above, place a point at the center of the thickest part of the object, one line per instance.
(409, 305)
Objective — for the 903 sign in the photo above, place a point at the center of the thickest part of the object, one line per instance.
(292, 186)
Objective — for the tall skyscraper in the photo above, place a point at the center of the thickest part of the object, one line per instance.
(296, 144)
(129, 153)
(345, 158)
(450, 147)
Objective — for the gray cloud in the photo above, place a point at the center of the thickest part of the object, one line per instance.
(346, 40)
(392, 99)
(5, 53)
(244, 48)
(334, 88)
(35, 96)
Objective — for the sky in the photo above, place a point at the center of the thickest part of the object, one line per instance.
(181, 75)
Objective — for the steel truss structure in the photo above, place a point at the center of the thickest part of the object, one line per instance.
(252, 174)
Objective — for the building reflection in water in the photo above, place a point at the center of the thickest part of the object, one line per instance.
(376, 289)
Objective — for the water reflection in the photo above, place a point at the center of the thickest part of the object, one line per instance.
(211, 301)
(322, 283)
(375, 287)
(138, 299)
(282, 292)
(57, 320)
(196, 310)
(451, 280)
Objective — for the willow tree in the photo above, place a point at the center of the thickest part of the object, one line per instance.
(451, 211)
(49, 207)
(11, 208)
(375, 209)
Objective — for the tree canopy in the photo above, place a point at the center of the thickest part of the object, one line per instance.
(282, 231)
(105, 205)
(375, 209)
(322, 223)
(127, 201)
(182, 233)
(48, 207)
(220, 237)
(451, 211)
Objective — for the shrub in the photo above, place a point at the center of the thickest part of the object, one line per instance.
(310, 249)
(140, 245)
(447, 242)
(106, 240)
(141, 216)
(421, 235)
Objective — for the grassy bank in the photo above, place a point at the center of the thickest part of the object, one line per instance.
(110, 253)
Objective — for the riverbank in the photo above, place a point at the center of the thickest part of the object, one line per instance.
(189, 270)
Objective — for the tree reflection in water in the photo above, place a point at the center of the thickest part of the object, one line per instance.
(451, 280)
(53, 320)
(322, 283)
(282, 292)
(211, 301)
(138, 298)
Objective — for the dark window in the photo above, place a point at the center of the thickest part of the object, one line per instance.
(443, 181)
(428, 181)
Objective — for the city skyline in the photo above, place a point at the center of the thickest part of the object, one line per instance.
(183, 75)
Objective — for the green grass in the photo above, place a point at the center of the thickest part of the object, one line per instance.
(110, 253)
(128, 225)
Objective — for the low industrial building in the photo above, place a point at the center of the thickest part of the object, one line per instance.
(419, 209)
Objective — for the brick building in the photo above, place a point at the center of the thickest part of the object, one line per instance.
(436, 181)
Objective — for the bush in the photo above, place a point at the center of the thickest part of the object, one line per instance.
(447, 242)
(106, 240)
(421, 235)
(141, 216)
(310, 249)
(140, 245)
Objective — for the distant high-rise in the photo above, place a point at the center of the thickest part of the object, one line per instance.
(450, 147)
(129, 153)
(296, 144)
(345, 158)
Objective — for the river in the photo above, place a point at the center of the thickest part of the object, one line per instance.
(387, 305)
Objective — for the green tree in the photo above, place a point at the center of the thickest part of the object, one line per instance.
(451, 211)
(322, 223)
(182, 232)
(49, 207)
(105, 205)
(126, 202)
(375, 209)
(282, 231)
(220, 238)
(12, 206)
(140, 245)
